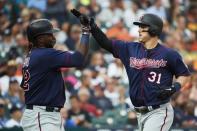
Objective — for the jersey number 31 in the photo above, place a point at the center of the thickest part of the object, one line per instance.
(154, 77)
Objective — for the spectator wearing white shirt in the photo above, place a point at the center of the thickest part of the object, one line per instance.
(111, 92)
(158, 9)
(110, 15)
(132, 14)
(15, 119)
(117, 70)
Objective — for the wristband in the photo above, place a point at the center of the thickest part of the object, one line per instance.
(177, 86)
(85, 39)
(85, 30)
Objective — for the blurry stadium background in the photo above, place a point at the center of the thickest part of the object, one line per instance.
(97, 93)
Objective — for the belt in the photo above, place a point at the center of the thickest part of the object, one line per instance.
(47, 108)
(146, 109)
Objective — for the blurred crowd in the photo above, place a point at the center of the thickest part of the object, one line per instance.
(96, 93)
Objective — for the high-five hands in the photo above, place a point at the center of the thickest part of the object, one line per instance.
(84, 20)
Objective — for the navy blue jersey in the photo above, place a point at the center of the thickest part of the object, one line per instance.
(42, 79)
(148, 70)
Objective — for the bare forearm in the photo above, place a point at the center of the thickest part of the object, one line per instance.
(183, 80)
(84, 44)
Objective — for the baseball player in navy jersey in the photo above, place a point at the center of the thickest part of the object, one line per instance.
(150, 68)
(42, 80)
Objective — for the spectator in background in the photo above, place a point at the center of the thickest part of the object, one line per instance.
(178, 109)
(64, 114)
(132, 14)
(173, 11)
(56, 9)
(35, 14)
(22, 44)
(122, 96)
(97, 66)
(13, 54)
(103, 3)
(158, 9)
(179, 100)
(60, 36)
(7, 42)
(116, 70)
(73, 37)
(183, 34)
(193, 93)
(97, 59)
(145, 4)
(120, 4)
(118, 31)
(84, 97)
(17, 28)
(190, 120)
(10, 74)
(191, 17)
(63, 35)
(86, 79)
(38, 4)
(3, 66)
(83, 6)
(4, 21)
(25, 15)
(3, 119)
(77, 116)
(100, 100)
(16, 115)
(107, 16)
(94, 8)
(111, 92)
(13, 95)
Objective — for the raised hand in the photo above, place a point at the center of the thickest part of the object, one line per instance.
(84, 19)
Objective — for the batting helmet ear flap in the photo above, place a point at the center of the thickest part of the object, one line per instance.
(152, 32)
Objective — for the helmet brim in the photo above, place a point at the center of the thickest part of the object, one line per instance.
(52, 31)
(55, 30)
(140, 23)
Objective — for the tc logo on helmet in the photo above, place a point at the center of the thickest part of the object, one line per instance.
(141, 18)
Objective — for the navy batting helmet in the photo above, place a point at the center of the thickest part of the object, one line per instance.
(154, 22)
(39, 27)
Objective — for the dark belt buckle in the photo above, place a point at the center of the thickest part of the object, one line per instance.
(52, 109)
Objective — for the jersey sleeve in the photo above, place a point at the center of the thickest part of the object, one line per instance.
(58, 59)
(119, 49)
(177, 66)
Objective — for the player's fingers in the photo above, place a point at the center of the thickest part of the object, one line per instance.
(75, 12)
(84, 19)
